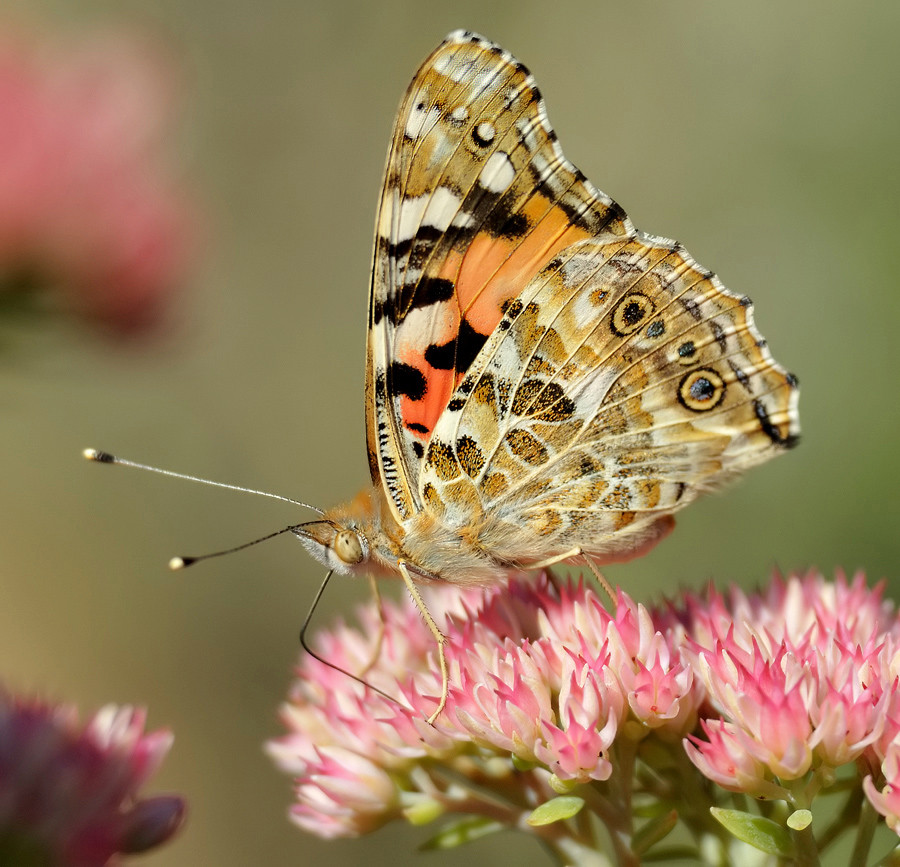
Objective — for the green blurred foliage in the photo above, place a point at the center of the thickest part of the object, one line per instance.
(765, 136)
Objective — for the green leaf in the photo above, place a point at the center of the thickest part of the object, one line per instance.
(799, 820)
(653, 831)
(424, 811)
(756, 831)
(555, 810)
(464, 831)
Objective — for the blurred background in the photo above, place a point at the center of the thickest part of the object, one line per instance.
(765, 136)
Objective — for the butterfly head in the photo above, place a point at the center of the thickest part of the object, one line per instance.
(336, 547)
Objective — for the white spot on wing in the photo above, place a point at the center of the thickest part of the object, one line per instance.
(419, 119)
(386, 216)
(439, 210)
(485, 131)
(527, 128)
(498, 173)
(433, 319)
(460, 114)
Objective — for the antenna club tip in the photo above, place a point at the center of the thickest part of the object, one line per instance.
(177, 563)
(98, 456)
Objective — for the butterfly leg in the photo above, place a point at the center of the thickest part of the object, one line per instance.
(552, 561)
(601, 580)
(568, 555)
(379, 638)
(439, 637)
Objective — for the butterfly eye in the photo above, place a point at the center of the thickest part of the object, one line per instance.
(348, 548)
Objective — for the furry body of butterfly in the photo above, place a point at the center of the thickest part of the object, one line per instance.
(432, 551)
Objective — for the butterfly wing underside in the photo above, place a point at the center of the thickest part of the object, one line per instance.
(623, 382)
(537, 367)
(477, 198)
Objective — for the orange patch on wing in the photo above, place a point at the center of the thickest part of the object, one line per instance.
(443, 326)
(498, 269)
(425, 412)
(492, 271)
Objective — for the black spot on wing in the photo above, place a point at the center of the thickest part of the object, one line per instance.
(459, 353)
(406, 380)
(513, 307)
(692, 307)
(469, 344)
(770, 430)
(479, 140)
(514, 226)
(741, 377)
(425, 234)
(466, 386)
(719, 335)
(441, 356)
(432, 290)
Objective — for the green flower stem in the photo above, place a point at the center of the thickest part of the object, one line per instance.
(807, 848)
(510, 803)
(847, 818)
(868, 821)
(611, 801)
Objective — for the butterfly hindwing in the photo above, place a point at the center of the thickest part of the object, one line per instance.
(623, 381)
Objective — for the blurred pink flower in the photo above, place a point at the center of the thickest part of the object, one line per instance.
(69, 792)
(88, 208)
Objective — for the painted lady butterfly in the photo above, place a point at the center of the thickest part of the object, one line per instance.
(544, 382)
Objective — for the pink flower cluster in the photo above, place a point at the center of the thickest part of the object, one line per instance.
(87, 207)
(69, 792)
(541, 675)
(765, 694)
(801, 678)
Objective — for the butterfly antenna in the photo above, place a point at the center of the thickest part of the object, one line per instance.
(106, 458)
(303, 643)
(177, 563)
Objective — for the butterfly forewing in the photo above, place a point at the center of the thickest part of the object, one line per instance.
(477, 199)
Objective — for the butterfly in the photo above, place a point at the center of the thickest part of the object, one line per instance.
(544, 382)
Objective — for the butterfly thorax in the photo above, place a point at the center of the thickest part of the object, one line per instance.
(363, 536)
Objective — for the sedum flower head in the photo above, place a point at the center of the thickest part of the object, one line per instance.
(69, 791)
(603, 730)
(544, 681)
(799, 675)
